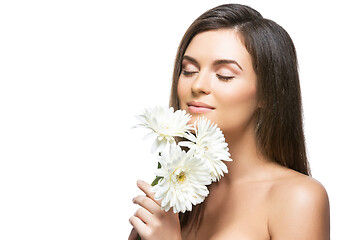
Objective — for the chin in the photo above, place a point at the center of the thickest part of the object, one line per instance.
(208, 116)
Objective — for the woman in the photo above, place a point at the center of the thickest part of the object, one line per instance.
(240, 71)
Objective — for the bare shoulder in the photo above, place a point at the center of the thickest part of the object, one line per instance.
(298, 205)
(298, 189)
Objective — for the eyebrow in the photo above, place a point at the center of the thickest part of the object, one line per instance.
(217, 62)
(227, 61)
(192, 60)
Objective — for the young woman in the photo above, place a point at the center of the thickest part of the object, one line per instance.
(240, 71)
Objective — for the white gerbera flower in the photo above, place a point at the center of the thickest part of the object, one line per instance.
(209, 144)
(165, 124)
(184, 180)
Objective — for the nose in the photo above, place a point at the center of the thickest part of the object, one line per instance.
(202, 84)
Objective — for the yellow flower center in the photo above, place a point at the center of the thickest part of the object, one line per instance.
(181, 177)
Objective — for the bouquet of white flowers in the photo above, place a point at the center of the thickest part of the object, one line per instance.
(182, 176)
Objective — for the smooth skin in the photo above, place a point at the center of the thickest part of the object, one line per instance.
(257, 199)
(150, 221)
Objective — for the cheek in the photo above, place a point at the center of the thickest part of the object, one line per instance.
(238, 107)
(239, 96)
(182, 91)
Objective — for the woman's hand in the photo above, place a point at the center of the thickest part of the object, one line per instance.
(149, 221)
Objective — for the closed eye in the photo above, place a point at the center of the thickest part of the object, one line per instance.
(224, 78)
(188, 73)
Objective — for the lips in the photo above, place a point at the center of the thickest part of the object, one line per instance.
(199, 107)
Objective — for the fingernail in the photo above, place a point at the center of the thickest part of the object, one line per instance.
(133, 200)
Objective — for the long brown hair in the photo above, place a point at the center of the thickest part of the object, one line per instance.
(279, 128)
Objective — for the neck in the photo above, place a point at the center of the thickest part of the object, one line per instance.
(248, 162)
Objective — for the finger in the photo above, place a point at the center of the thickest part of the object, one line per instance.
(147, 203)
(143, 214)
(133, 235)
(140, 226)
(146, 188)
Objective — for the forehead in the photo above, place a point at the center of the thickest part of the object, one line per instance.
(218, 44)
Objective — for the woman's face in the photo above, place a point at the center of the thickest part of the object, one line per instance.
(218, 81)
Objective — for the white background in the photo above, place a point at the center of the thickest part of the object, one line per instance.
(73, 74)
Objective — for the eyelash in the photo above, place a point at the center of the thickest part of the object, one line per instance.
(224, 78)
(187, 73)
(220, 77)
